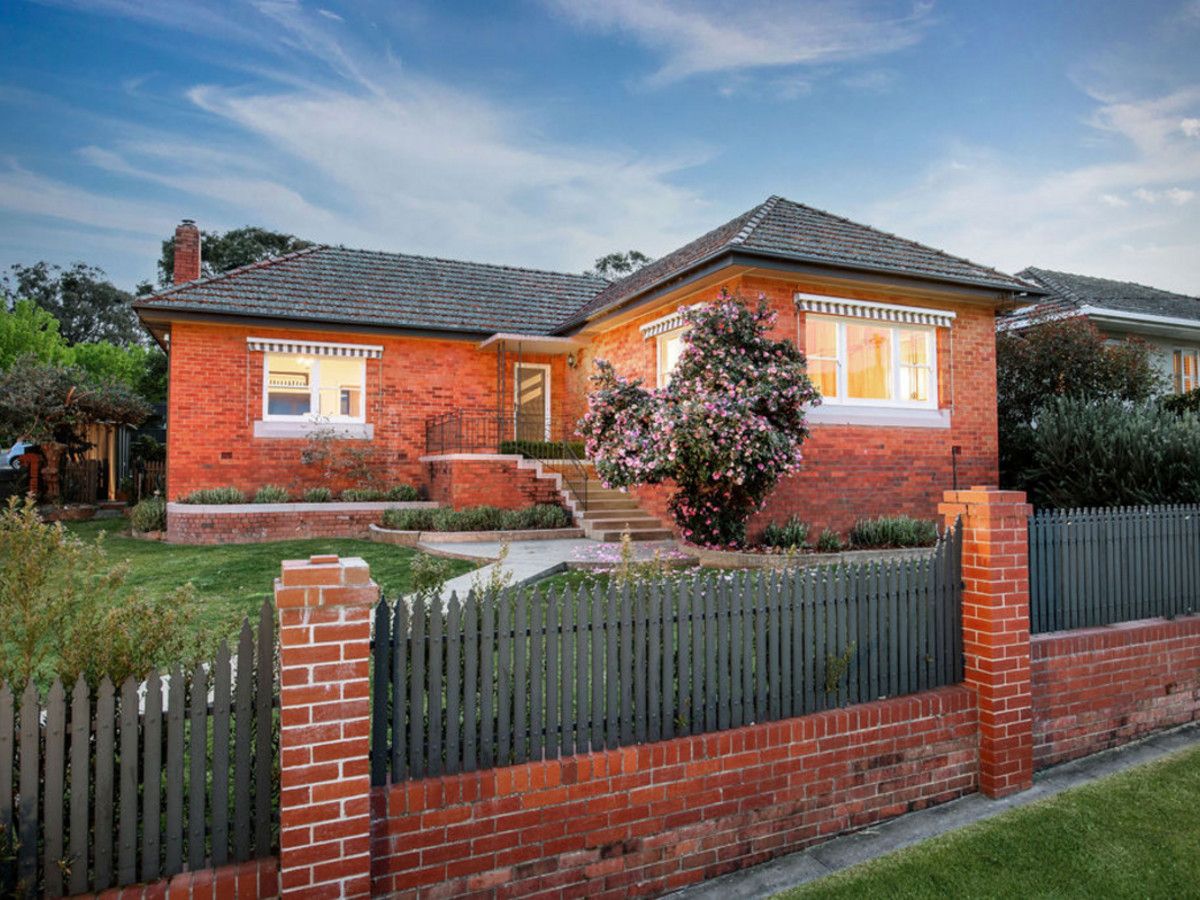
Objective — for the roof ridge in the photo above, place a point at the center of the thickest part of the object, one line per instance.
(470, 262)
(909, 241)
(1148, 287)
(757, 216)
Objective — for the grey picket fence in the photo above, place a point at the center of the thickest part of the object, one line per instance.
(1090, 567)
(119, 787)
(533, 674)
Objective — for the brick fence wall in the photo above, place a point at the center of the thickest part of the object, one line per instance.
(250, 523)
(648, 819)
(499, 480)
(1100, 687)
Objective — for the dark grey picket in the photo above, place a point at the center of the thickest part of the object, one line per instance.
(29, 782)
(197, 767)
(127, 811)
(435, 693)
(173, 861)
(536, 631)
(243, 730)
(470, 728)
(556, 638)
(54, 757)
(416, 692)
(81, 731)
(7, 746)
(454, 687)
(625, 681)
(222, 701)
(152, 777)
(640, 650)
(102, 830)
(654, 651)
(381, 671)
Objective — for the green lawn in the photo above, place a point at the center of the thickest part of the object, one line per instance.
(1135, 834)
(232, 580)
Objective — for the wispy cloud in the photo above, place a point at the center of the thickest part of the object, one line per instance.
(1134, 218)
(715, 36)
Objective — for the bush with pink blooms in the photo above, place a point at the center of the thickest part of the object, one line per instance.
(728, 425)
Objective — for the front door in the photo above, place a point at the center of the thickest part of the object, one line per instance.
(532, 406)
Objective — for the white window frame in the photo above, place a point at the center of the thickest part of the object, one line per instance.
(314, 392)
(517, 366)
(930, 332)
(1177, 372)
(662, 376)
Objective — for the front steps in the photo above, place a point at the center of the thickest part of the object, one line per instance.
(608, 513)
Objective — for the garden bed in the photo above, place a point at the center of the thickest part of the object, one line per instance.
(745, 559)
(248, 523)
(413, 538)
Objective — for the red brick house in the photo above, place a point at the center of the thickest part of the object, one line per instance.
(431, 366)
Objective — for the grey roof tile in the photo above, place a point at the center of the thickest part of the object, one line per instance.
(334, 284)
(1067, 293)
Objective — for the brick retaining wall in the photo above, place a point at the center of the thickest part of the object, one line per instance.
(1101, 687)
(509, 482)
(254, 880)
(648, 819)
(252, 523)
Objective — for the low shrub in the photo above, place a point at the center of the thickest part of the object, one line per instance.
(477, 518)
(272, 493)
(893, 531)
(1183, 403)
(149, 515)
(791, 534)
(399, 492)
(408, 519)
(544, 449)
(318, 495)
(402, 493)
(220, 495)
(829, 541)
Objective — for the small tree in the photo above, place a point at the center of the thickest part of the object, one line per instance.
(222, 251)
(49, 405)
(728, 425)
(1060, 358)
(617, 264)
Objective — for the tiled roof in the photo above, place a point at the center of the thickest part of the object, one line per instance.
(333, 284)
(1067, 293)
(792, 231)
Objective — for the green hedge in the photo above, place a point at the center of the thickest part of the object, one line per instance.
(217, 495)
(543, 449)
(791, 534)
(888, 532)
(477, 518)
(272, 493)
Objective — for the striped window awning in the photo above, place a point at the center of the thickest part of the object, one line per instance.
(314, 348)
(865, 309)
(662, 326)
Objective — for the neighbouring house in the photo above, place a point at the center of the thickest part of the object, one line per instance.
(1168, 322)
(436, 368)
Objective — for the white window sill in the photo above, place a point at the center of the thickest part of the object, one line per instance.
(349, 430)
(878, 416)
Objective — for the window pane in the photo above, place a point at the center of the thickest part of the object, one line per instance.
(868, 362)
(914, 347)
(820, 337)
(823, 374)
(341, 387)
(289, 385)
(669, 348)
(914, 383)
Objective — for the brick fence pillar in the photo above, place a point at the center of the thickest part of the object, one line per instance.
(996, 631)
(325, 605)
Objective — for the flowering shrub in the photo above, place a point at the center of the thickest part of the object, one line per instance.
(725, 429)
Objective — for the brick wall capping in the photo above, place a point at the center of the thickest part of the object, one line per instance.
(336, 506)
(413, 538)
(738, 559)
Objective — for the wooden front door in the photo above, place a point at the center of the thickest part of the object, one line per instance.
(532, 401)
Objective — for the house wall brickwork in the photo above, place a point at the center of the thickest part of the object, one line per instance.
(1101, 687)
(488, 482)
(649, 819)
(854, 471)
(216, 396)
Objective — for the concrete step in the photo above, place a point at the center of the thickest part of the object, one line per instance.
(635, 518)
(608, 535)
(595, 493)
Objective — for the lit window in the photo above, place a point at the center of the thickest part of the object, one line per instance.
(313, 387)
(670, 346)
(871, 363)
(1187, 371)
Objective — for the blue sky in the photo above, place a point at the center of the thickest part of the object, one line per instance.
(548, 132)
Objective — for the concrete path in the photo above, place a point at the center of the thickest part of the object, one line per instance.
(840, 853)
(531, 560)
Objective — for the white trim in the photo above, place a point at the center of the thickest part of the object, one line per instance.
(1126, 316)
(669, 322)
(843, 400)
(313, 348)
(177, 507)
(314, 403)
(566, 343)
(302, 428)
(545, 367)
(662, 377)
(864, 309)
(878, 416)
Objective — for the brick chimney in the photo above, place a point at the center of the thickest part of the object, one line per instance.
(187, 251)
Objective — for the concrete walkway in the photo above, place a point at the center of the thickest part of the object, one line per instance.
(840, 853)
(531, 560)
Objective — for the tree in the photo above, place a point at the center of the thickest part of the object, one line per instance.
(220, 252)
(726, 427)
(27, 329)
(618, 265)
(88, 306)
(48, 405)
(1060, 358)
